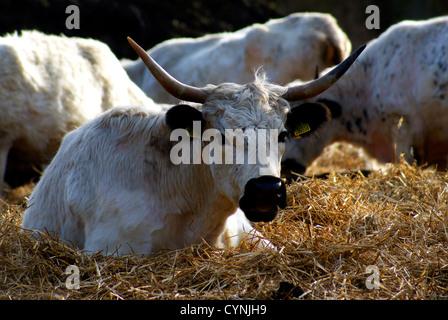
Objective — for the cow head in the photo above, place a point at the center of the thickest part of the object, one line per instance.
(242, 119)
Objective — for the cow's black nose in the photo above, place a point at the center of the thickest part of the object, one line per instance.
(291, 166)
(261, 198)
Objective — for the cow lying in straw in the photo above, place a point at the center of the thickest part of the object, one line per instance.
(113, 184)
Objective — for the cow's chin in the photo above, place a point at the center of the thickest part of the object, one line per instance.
(259, 213)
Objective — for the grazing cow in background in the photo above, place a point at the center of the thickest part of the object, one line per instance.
(393, 101)
(113, 184)
(288, 49)
(50, 85)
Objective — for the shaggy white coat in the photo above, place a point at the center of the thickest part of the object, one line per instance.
(112, 185)
(50, 85)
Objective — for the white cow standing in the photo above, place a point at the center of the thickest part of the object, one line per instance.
(50, 85)
(393, 101)
(288, 48)
(113, 185)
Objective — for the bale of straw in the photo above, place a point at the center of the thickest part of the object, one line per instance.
(328, 239)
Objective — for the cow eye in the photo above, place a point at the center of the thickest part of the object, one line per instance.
(282, 136)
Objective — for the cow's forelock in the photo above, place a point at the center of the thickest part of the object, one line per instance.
(254, 106)
(257, 104)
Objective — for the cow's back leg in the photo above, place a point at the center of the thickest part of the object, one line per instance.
(118, 231)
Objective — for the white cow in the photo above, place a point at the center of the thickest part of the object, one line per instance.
(289, 48)
(392, 101)
(113, 184)
(50, 85)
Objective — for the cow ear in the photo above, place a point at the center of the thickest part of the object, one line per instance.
(182, 117)
(306, 118)
(334, 107)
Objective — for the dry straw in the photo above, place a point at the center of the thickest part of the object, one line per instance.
(395, 220)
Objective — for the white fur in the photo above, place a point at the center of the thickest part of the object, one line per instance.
(288, 48)
(394, 98)
(112, 183)
(50, 85)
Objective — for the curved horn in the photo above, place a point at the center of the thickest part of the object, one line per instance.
(313, 88)
(170, 84)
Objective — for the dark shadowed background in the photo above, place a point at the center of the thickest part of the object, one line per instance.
(150, 22)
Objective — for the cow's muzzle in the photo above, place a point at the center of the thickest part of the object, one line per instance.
(261, 198)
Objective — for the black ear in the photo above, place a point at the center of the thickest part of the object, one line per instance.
(182, 116)
(306, 118)
(334, 107)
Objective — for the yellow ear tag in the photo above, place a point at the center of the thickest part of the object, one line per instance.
(190, 132)
(301, 129)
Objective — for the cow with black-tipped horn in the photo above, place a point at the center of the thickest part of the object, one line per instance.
(393, 102)
(114, 187)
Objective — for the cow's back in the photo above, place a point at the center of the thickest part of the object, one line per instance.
(286, 48)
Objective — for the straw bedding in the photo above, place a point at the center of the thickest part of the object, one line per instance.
(395, 219)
